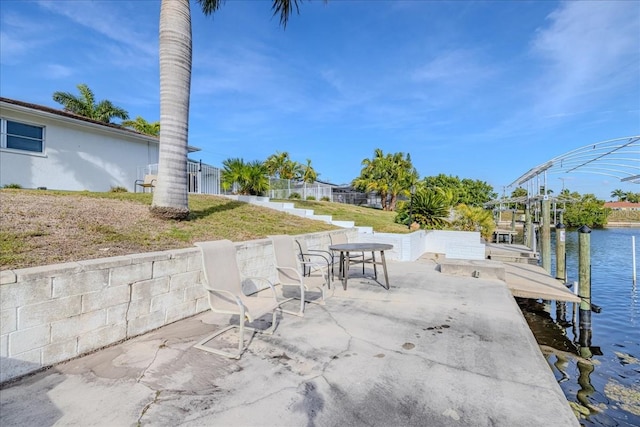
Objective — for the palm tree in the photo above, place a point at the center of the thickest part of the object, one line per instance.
(85, 105)
(619, 194)
(170, 196)
(309, 175)
(387, 175)
(143, 126)
(371, 177)
(276, 163)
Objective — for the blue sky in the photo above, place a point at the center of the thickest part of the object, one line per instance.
(482, 90)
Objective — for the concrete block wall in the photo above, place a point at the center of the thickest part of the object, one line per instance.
(57, 312)
(444, 241)
(406, 247)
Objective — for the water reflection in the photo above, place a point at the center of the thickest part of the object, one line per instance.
(598, 368)
(568, 348)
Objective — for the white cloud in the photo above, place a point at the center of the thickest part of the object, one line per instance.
(57, 71)
(20, 35)
(116, 23)
(588, 50)
(453, 67)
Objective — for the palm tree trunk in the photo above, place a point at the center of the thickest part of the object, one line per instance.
(392, 204)
(170, 198)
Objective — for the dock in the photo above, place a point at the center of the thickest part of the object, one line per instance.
(516, 265)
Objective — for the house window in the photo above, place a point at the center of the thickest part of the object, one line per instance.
(22, 136)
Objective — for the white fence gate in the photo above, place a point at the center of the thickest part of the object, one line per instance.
(201, 178)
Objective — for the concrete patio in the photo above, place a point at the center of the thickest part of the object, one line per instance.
(434, 350)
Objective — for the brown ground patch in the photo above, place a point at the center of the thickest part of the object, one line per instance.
(41, 228)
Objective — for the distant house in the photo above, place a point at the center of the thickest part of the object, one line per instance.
(622, 206)
(45, 147)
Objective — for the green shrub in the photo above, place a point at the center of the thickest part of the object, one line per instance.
(311, 198)
(118, 189)
(325, 199)
(295, 196)
(12, 185)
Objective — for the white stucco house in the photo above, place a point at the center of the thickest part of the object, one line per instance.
(44, 147)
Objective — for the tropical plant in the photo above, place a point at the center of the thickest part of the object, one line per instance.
(244, 178)
(170, 196)
(468, 191)
(474, 218)
(619, 194)
(143, 126)
(476, 192)
(632, 197)
(519, 192)
(281, 166)
(85, 105)
(586, 210)
(309, 175)
(428, 208)
(387, 175)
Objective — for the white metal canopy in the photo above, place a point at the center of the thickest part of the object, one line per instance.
(618, 158)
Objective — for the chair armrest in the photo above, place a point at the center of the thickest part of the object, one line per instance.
(228, 294)
(316, 255)
(329, 253)
(263, 279)
(294, 270)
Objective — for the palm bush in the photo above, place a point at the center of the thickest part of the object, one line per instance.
(473, 218)
(248, 178)
(430, 209)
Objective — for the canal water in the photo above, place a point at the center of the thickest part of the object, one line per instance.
(601, 381)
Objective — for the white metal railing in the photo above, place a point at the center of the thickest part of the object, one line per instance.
(202, 178)
(284, 188)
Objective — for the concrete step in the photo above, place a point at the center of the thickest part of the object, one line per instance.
(480, 269)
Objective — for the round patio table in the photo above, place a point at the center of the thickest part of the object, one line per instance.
(346, 248)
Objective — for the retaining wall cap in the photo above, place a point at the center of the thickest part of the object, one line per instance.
(44, 271)
(182, 253)
(102, 263)
(151, 256)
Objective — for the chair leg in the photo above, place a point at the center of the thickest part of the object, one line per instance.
(241, 330)
(233, 355)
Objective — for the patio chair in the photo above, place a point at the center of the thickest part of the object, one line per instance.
(223, 283)
(149, 182)
(290, 270)
(307, 256)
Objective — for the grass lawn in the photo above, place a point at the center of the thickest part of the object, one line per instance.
(41, 227)
(381, 221)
